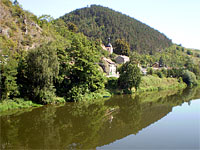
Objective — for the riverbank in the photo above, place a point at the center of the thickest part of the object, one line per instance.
(148, 83)
(18, 104)
(152, 83)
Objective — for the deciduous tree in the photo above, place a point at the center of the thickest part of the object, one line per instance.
(130, 76)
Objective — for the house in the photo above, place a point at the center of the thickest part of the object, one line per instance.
(109, 67)
(122, 59)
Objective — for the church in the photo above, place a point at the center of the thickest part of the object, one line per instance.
(108, 47)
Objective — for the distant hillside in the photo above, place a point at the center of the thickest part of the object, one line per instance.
(101, 22)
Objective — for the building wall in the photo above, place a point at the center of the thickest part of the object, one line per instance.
(113, 69)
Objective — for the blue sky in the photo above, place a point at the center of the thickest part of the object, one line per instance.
(177, 19)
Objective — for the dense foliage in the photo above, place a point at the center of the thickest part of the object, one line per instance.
(121, 47)
(42, 68)
(101, 22)
(130, 76)
(46, 60)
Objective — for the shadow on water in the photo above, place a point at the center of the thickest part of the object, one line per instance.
(89, 125)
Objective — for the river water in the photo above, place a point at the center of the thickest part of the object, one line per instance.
(152, 121)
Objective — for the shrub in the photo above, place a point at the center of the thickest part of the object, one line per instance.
(150, 71)
(112, 83)
(160, 74)
(189, 52)
(189, 78)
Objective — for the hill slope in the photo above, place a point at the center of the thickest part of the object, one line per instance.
(19, 29)
(101, 22)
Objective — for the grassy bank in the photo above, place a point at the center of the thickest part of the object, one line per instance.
(152, 83)
(149, 83)
(17, 103)
(95, 95)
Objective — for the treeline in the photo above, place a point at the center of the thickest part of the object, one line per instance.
(100, 22)
(173, 57)
(65, 65)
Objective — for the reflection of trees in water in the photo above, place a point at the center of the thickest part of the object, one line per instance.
(88, 125)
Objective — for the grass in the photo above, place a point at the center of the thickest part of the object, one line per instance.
(96, 95)
(152, 83)
(59, 100)
(17, 103)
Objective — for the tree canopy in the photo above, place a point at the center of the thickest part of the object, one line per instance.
(122, 47)
(42, 69)
(101, 22)
(130, 76)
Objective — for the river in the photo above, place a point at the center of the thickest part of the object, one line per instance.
(151, 121)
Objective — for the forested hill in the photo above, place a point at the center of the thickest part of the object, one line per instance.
(101, 22)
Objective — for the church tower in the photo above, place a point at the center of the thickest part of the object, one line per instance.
(109, 46)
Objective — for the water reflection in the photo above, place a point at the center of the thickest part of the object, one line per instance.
(89, 125)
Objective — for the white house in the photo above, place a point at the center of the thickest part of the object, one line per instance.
(110, 68)
(122, 59)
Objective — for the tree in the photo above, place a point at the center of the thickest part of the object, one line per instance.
(189, 78)
(150, 71)
(121, 47)
(22, 80)
(161, 62)
(8, 71)
(189, 52)
(72, 27)
(42, 68)
(83, 75)
(130, 76)
(16, 3)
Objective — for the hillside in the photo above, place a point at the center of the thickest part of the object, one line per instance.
(41, 59)
(19, 29)
(101, 22)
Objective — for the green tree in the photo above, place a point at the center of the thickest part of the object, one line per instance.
(72, 27)
(130, 76)
(150, 71)
(189, 78)
(161, 62)
(121, 47)
(83, 75)
(8, 76)
(16, 2)
(84, 72)
(22, 80)
(189, 52)
(42, 68)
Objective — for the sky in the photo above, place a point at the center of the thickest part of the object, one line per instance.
(179, 20)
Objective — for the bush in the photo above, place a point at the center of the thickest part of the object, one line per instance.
(160, 74)
(112, 83)
(150, 71)
(189, 78)
(189, 52)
